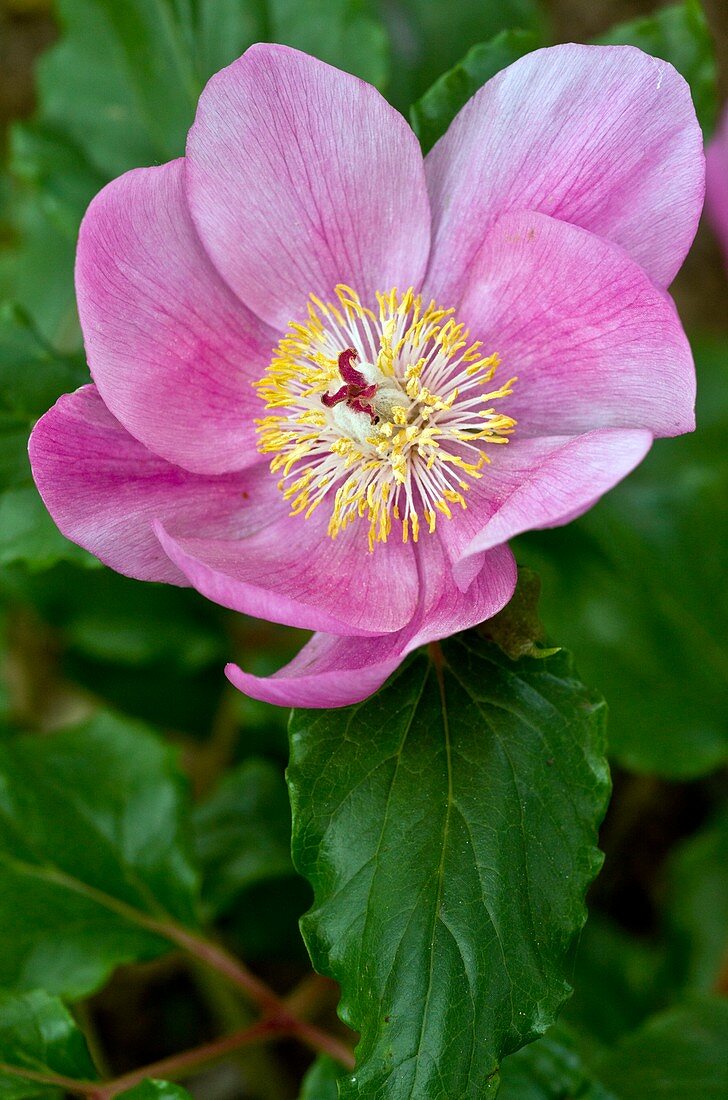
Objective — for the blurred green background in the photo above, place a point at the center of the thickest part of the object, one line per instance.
(636, 589)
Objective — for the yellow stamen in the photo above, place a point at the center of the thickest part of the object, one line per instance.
(432, 413)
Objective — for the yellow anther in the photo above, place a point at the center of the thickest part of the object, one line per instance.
(407, 460)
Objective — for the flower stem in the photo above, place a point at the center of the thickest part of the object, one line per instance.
(276, 1011)
(182, 1065)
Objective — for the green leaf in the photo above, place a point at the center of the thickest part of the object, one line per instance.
(552, 1068)
(28, 534)
(37, 1033)
(621, 589)
(62, 179)
(120, 83)
(242, 833)
(679, 1054)
(679, 34)
(93, 859)
(32, 371)
(106, 617)
(432, 114)
(123, 82)
(320, 1083)
(342, 32)
(448, 828)
(430, 38)
(156, 1090)
(619, 980)
(697, 905)
(221, 30)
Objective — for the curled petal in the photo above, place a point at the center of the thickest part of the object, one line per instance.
(104, 489)
(602, 136)
(335, 672)
(538, 483)
(292, 572)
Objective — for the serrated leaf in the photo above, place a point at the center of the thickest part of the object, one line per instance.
(92, 854)
(434, 111)
(681, 1053)
(37, 1033)
(242, 833)
(320, 1081)
(679, 34)
(448, 830)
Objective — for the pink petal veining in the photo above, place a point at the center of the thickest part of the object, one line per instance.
(171, 350)
(593, 342)
(301, 177)
(335, 672)
(602, 136)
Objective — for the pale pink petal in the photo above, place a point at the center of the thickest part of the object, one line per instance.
(335, 672)
(292, 572)
(602, 136)
(300, 177)
(717, 183)
(104, 489)
(172, 351)
(534, 483)
(591, 340)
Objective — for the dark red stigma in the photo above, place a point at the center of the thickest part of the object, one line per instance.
(355, 390)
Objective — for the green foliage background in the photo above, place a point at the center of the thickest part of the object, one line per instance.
(139, 792)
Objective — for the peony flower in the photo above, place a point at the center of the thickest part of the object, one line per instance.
(717, 183)
(332, 380)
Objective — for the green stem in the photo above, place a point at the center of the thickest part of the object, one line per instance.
(182, 1065)
(273, 1008)
(53, 1080)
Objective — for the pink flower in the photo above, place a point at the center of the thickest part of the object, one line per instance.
(716, 198)
(429, 357)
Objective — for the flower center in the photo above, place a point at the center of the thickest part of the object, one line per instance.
(384, 414)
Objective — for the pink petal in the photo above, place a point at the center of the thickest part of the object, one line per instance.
(591, 340)
(534, 483)
(104, 489)
(292, 572)
(301, 177)
(334, 672)
(717, 183)
(602, 136)
(171, 349)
